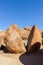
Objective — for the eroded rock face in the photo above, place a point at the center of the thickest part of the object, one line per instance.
(24, 33)
(34, 40)
(13, 40)
(2, 34)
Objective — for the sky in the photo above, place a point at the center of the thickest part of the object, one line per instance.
(21, 12)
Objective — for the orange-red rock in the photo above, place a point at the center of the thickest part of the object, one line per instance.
(34, 40)
(13, 40)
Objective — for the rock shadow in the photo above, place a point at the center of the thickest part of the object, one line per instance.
(35, 58)
(4, 49)
(35, 47)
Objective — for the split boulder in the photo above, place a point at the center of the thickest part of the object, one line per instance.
(34, 40)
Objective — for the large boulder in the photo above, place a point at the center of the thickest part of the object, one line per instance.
(34, 39)
(2, 34)
(13, 40)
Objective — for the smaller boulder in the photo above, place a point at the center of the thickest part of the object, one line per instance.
(24, 33)
(28, 28)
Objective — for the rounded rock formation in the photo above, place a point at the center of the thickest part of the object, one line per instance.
(13, 40)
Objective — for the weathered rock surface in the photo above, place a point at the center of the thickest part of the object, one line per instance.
(13, 40)
(2, 34)
(24, 33)
(34, 40)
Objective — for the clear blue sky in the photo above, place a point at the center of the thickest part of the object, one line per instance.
(21, 12)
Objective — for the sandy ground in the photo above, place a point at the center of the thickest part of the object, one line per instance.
(10, 59)
(35, 58)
